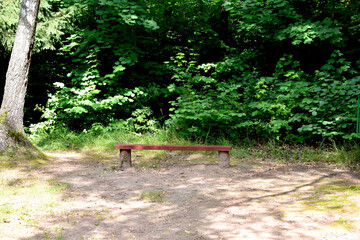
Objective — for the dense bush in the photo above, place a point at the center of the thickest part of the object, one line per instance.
(290, 105)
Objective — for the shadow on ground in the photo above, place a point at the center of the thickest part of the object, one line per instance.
(250, 200)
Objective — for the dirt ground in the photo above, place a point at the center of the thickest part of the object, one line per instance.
(253, 199)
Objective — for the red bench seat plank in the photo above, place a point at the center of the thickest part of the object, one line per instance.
(174, 147)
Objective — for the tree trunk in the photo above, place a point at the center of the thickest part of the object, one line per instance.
(12, 135)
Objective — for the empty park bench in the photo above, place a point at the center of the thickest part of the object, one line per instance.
(125, 151)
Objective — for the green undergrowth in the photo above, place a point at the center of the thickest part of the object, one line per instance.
(103, 138)
(345, 155)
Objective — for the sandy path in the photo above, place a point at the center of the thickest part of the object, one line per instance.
(202, 201)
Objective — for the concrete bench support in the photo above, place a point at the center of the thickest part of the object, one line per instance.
(224, 159)
(125, 151)
(125, 158)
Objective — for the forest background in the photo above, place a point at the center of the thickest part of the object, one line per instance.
(283, 71)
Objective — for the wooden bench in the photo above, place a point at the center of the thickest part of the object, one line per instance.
(125, 151)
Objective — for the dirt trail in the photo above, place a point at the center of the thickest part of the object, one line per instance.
(250, 200)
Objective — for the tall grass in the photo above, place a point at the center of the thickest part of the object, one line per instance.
(103, 138)
(348, 154)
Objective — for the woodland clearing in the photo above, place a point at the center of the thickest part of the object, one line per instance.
(173, 196)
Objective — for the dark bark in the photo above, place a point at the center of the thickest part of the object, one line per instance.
(224, 18)
(12, 132)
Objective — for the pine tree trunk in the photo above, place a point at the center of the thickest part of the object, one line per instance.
(12, 135)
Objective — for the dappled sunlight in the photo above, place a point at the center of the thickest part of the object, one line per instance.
(194, 201)
(26, 201)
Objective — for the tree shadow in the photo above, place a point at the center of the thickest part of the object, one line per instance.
(201, 201)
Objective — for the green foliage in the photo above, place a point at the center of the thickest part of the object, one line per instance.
(307, 32)
(290, 105)
(285, 94)
(358, 118)
(206, 104)
(9, 16)
(260, 19)
(141, 121)
(53, 19)
(322, 104)
(96, 90)
(85, 103)
(332, 107)
(273, 69)
(101, 137)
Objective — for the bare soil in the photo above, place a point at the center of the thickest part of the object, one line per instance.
(253, 199)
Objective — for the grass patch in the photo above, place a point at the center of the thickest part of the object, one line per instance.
(22, 157)
(153, 195)
(48, 236)
(24, 200)
(337, 195)
(348, 155)
(343, 223)
(103, 138)
(343, 156)
(332, 197)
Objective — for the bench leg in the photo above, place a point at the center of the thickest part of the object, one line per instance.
(224, 159)
(125, 158)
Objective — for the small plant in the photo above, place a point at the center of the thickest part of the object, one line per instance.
(141, 120)
(47, 236)
(153, 195)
